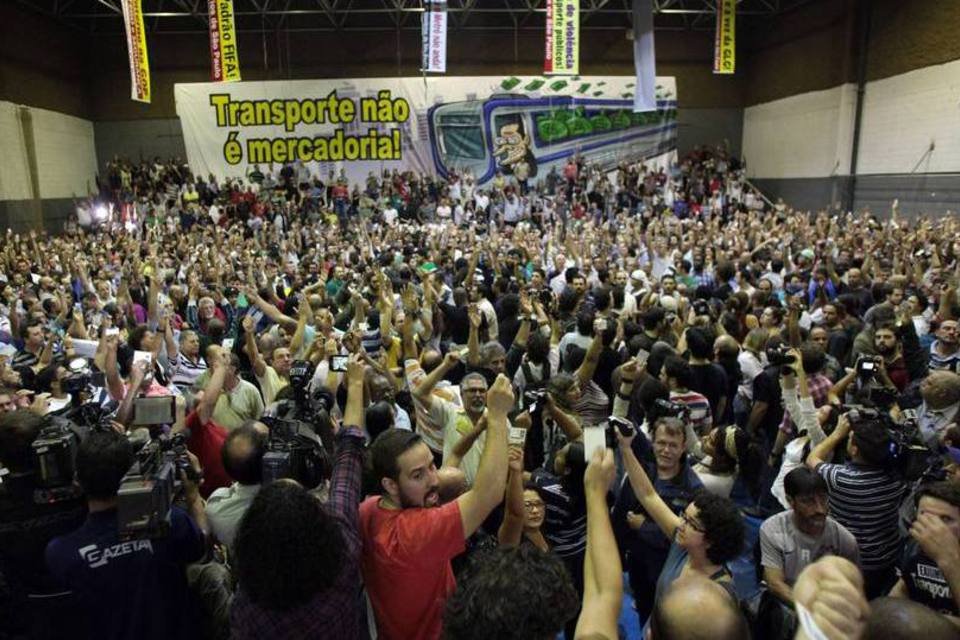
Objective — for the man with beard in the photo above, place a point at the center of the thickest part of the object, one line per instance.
(456, 421)
(791, 540)
(893, 368)
(945, 350)
(409, 538)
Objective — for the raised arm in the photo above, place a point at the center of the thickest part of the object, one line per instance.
(211, 393)
(511, 529)
(589, 365)
(473, 340)
(465, 443)
(271, 311)
(296, 342)
(823, 452)
(602, 570)
(643, 489)
(424, 391)
(253, 352)
(487, 492)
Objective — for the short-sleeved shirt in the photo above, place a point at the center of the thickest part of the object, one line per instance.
(237, 406)
(205, 442)
(783, 546)
(432, 432)
(129, 589)
(926, 583)
(406, 566)
(271, 383)
(225, 508)
(456, 424)
(565, 520)
(866, 501)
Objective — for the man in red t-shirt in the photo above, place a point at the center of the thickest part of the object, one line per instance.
(409, 538)
(206, 437)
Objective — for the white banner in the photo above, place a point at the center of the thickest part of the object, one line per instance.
(435, 38)
(644, 60)
(479, 124)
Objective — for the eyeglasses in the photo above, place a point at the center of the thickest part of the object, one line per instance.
(534, 506)
(693, 524)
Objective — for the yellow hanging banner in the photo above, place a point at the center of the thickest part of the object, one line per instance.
(224, 58)
(562, 52)
(137, 50)
(725, 44)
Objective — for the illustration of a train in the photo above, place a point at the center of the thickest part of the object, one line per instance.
(485, 136)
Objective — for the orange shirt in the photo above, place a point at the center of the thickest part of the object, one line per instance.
(406, 566)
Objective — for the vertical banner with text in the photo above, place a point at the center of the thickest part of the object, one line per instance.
(644, 62)
(562, 50)
(725, 45)
(137, 50)
(435, 38)
(224, 58)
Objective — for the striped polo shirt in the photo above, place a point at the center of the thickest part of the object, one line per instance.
(949, 362)
(866, 500)
(187, 371)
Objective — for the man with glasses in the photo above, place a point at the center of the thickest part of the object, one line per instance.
(457, 422)
(643, 546)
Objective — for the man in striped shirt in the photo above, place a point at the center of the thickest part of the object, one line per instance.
(945, 350)
(190, 365)
(864, 496)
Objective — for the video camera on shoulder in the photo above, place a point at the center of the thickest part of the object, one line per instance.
(908, 456)
(150, 487)
(294, 451)
(54, 463)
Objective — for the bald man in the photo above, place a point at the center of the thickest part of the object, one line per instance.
(899, 619)
(717, 617)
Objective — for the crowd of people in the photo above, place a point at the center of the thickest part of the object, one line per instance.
(422, 408)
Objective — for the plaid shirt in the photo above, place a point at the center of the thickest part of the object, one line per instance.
(819, 386)
(335, 612)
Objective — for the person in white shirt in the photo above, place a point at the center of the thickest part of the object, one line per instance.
(243, 453)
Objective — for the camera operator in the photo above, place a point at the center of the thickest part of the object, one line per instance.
(298, 560)
(127, 588)
(864, 495)
(242, 456)
(34, 602)
(930, 574)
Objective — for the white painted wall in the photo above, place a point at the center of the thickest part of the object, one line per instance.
(803, 136)
(807, 135)
(66, 154)
(904, 113)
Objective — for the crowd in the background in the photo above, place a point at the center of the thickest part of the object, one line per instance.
(431, 363)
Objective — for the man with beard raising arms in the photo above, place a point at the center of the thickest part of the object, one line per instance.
(409, 538)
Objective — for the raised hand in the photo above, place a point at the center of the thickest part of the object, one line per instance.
(500, 398)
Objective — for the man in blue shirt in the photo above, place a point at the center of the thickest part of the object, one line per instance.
(127, 588)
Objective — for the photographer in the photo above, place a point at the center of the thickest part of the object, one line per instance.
(298, 560)
(35, 602)
(864, 495)
(127, 588)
